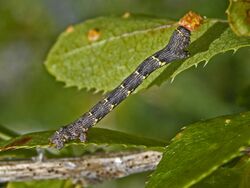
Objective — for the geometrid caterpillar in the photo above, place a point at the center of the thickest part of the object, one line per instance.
(175, 50)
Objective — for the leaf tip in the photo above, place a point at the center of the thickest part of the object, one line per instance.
(205, 64)
(235, 50)
(172, 79)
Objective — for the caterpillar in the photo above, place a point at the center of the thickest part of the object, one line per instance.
(176, 49)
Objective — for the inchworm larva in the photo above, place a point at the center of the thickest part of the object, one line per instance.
(175, 50)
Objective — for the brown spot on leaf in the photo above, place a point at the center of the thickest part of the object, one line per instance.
(18, 142)
(94, 34)
(70, 29)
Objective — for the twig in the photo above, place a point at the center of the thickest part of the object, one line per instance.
(87, 170)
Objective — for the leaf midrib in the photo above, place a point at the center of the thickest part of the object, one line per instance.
(113, 38)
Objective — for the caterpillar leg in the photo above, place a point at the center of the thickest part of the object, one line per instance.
(186, 54)
(68, 133)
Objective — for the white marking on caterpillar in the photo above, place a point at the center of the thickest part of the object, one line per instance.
(136, 72)
(112, 106)
(180, 32)
(159, 61)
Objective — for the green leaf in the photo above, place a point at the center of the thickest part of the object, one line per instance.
(230, 177)
(123, 44)
(95, 136)
(238, 14)
(244, 97)
(6, 134)
(201, 149)
(42, 184)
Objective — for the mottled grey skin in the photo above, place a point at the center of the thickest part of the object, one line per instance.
(175, 50)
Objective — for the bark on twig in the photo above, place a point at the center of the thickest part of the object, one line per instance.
(88, 169)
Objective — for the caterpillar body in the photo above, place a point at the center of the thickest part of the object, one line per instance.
(174, 50)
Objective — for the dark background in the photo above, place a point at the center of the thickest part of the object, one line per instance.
(31, 99)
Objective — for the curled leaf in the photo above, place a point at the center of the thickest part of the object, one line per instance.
(238, 14)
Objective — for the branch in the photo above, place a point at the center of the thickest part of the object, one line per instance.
(87, 169)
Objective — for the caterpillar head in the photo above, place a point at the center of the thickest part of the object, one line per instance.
(191, 21)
